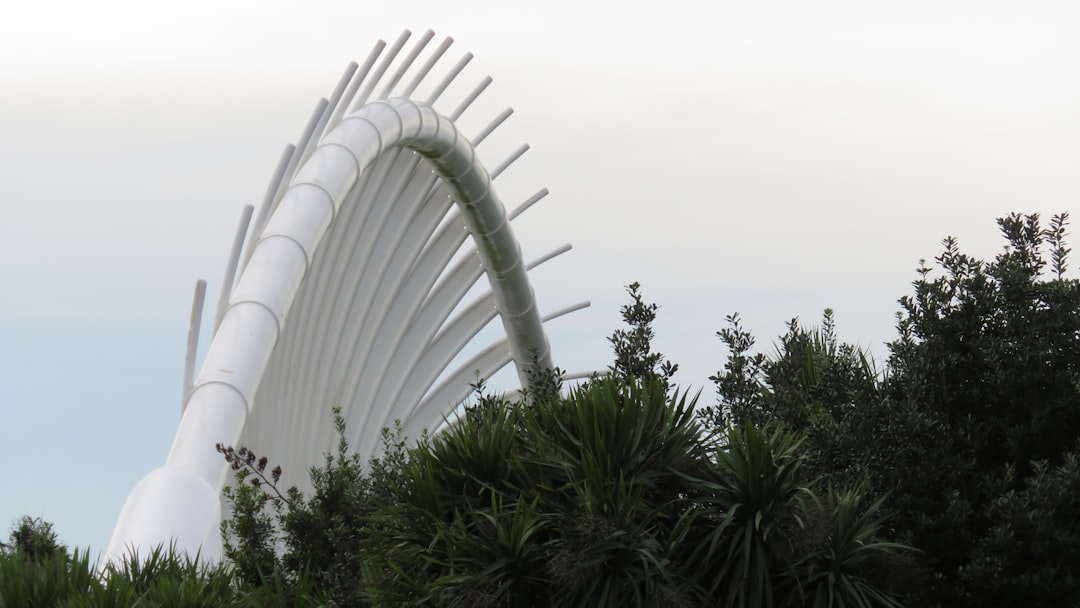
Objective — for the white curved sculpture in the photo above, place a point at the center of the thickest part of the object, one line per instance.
(350, 296)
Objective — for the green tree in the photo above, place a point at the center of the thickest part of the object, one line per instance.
(634, 355)
(966, 433)
(989, 351)
(811, 383)
(1031, 552)
(35, 539)
(311, 548)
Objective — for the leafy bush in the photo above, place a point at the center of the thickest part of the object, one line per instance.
(615, 496)
(565, 501)
(33, 538)
(635, 359)
(312, 547)
(1031, 553)
(966, 435)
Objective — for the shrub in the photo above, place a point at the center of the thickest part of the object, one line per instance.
(966, 434)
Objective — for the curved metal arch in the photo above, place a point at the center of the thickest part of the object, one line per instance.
(362, 320)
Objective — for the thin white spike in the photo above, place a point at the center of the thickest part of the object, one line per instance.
(566, 310)
(554, 253)
(234, 261)
(332, 104)
(584, 375)
(406, 63)
(384, 65)
(268, 199)
(308, 138)
(509, 160)
(357, 80)
(192, 343)
(426, 68)
(523, 207)
(302, 147)
(450, 76)
(464, 105)
(494, 124)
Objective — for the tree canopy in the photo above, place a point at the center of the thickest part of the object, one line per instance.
(969, 432)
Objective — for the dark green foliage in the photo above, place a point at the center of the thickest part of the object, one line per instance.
(992, 348)
(812, 383)
(634, 357)
(1031, 554)
(321, 531)
(33, 538)
(542, 384)
(613, 496)
(165, 578)
(325, 538)
(739, 387)
(161, 578)
(966, 436)
(42, 581)
(855, 566)
(990, 352)
(758, 500)
(568, 502)
(249, 536)
(810, 377)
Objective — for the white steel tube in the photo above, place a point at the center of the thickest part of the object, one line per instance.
(192, 342)
(358, 79)
(234, 261)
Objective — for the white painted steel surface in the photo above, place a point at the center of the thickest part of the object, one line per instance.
(350, 296)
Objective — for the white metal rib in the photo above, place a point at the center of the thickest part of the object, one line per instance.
(192, 342)
(358, 79)
(231, 266)
(384, 65)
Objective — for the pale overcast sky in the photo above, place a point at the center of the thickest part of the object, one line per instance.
(768, 158)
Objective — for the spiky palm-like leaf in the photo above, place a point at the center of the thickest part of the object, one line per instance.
(838, 574)
(753, 499)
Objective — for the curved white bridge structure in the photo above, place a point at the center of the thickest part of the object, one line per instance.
(350, 294)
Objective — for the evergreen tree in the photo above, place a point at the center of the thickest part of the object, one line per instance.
(968, 434)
